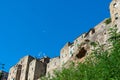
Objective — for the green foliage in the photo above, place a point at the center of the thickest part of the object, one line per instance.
(100, 65)
(115, 37)
(108, 21)
(93, 44)
(0, 75)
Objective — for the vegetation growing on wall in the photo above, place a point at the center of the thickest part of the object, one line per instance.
(108, 21)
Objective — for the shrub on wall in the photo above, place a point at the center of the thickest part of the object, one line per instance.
(108, 21)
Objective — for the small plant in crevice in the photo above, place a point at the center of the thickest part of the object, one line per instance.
(108, 21)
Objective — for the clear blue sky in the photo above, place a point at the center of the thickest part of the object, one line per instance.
(44, 26)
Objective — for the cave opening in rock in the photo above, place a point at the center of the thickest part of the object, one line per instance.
(81, 53)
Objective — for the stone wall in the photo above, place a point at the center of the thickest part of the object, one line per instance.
(20, 70)
(36, 70)
(25, 66)
(15, 72)
(64, 54)
(54, 64)
(115, 10)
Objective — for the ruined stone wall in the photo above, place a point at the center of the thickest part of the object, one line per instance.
(36, 69)
(115, 10)
(71, 50)
(77, 42)
(15, 72)
(115, 13)
(64, 54)
(20, 70)
(25, 66)
(54, 64)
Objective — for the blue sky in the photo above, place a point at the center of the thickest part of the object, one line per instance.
(44, 26)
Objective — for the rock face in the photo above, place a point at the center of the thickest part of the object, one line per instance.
(74, 51)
